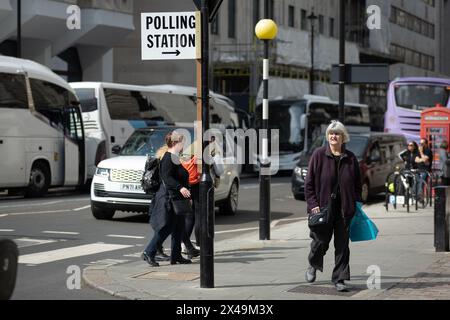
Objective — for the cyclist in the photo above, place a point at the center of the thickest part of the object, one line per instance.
(409, 156)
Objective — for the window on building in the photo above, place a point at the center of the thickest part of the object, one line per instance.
(331, 28)
(215, 25)
(271, 10)
(231, 18)
(304, 20)
(321, 24)
(256, 8)
(291, 17)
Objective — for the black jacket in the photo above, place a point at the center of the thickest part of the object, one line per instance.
(321, 179)
(160, 210)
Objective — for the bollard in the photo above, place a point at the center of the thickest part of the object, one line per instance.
(441, 218)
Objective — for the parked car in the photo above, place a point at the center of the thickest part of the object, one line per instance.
(116, 184)
(377, 154)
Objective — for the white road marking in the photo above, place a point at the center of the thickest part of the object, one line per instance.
(27, 242)
(67, 253)
(236, 230)
(124, 236)
(7, 230)
(3, 215)
(61, 232)
(82, 208)
(37, 212)
(36, 203)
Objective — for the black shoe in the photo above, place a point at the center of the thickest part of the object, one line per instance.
(341, 286)
(194, 253)
(310, 275)
(161, 256)
(180, 260)
(151, 261)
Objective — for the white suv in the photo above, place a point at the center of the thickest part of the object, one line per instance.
(116, 184)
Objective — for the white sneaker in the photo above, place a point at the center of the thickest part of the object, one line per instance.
(183, 248)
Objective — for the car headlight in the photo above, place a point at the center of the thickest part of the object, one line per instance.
(301, 172)
(102, 172)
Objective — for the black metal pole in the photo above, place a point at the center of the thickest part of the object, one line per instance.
(441, 232)
(264, 173)
(206, 185)
(341, 60)
(19, 28)
(311, 73)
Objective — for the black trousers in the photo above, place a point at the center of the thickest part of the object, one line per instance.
(321, 238)
(192, 222)
(176, 229)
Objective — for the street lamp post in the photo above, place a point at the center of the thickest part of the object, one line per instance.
(312, 19)
(266, 29)
(341, 60)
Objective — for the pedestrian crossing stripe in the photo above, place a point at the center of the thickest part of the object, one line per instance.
(70, 252)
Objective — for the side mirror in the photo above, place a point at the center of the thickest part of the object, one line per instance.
(116, 149)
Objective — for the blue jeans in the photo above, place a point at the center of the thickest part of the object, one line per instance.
(422, 180)
(177, 231)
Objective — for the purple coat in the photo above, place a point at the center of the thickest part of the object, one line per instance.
(321, 177)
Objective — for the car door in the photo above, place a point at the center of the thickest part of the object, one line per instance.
(374, 165)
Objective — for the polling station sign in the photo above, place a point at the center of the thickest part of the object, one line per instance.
(169, 35)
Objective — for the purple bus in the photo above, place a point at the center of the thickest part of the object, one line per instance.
(407, 98)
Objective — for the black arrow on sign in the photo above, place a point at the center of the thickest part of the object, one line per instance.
(177, 53)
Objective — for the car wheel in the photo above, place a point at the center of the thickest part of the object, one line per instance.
(39, 180)
(102, 213)
(365, 191)
(229, 207)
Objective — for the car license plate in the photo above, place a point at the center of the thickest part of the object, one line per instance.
(130, 187)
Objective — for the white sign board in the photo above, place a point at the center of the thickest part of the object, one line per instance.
(168, 35)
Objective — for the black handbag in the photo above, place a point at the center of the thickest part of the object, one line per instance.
(182, 207)
(325, 216)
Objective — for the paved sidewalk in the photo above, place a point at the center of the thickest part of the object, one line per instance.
(246, 268)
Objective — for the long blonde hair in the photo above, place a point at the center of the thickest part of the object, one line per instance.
(172, 138)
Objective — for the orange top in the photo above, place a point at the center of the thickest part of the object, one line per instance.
(192, 169)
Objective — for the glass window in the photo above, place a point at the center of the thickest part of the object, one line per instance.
(331, 26)
(291, 22)
(126, 104)
(321, 24)
(288, 113)
(50, 100)
(304, 22)
(420, 97)
(231, 18)
(357, 145)
(87, 98)
(13, 92)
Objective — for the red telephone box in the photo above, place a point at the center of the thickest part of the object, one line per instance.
(435, 126)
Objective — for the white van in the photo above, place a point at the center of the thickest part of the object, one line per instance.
(41, 129)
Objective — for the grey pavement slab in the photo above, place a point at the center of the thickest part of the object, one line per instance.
(249, 269)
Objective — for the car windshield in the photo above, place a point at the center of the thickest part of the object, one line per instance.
(147, 142)
(357, 145)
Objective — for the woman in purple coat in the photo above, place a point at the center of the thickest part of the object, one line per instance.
(333, 168)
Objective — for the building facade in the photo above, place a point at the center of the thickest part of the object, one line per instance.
(77, 44)
(414, 39)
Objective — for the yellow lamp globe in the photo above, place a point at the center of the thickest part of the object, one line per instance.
(266, 29)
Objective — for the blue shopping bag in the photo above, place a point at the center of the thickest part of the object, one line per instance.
(361, 227)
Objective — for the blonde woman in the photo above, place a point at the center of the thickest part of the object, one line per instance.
(163, 219)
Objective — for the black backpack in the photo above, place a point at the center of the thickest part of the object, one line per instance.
(150, 180)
